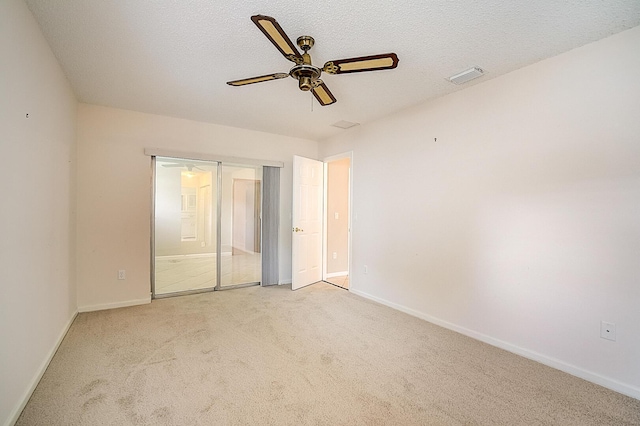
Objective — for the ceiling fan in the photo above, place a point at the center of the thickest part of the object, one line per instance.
(188, 166)
(307, 74)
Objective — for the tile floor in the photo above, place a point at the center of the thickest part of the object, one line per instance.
(174, 274)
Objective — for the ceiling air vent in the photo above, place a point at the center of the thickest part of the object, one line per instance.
(344, 124)
(466, 75)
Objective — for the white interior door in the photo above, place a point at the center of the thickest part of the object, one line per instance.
(306, 237)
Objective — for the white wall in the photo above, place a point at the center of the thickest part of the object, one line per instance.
(37, 179)
(520, 225)
(114, 192)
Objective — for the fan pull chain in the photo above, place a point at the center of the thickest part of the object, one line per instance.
(311, 103)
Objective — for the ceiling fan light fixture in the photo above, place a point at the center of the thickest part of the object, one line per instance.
(466, 75)
(305, 84)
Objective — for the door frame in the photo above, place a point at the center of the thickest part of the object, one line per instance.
(325, 212)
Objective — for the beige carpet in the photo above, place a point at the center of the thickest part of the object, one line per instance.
(319, 356)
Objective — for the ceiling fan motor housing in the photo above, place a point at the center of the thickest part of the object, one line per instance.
(306, 75)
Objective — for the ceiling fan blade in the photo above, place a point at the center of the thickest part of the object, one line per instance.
(364, 63)
(277, 36)
(322, 94)
(260, 79)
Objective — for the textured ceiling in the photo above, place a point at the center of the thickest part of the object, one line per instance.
(173, 57)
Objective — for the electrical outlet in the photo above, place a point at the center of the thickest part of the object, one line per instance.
(122, 274)
(608, 330)
(366, 269)
(335, 255)
(336, 215)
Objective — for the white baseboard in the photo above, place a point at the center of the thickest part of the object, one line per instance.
(598, 379)
(103, 306)
(186, 256)
(193, 256)
(284, 282)
(15, 414)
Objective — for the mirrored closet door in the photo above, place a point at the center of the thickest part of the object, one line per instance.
(206, 226)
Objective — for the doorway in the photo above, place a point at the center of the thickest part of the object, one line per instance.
(199, 210)
(321, 229)
(337, 203)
